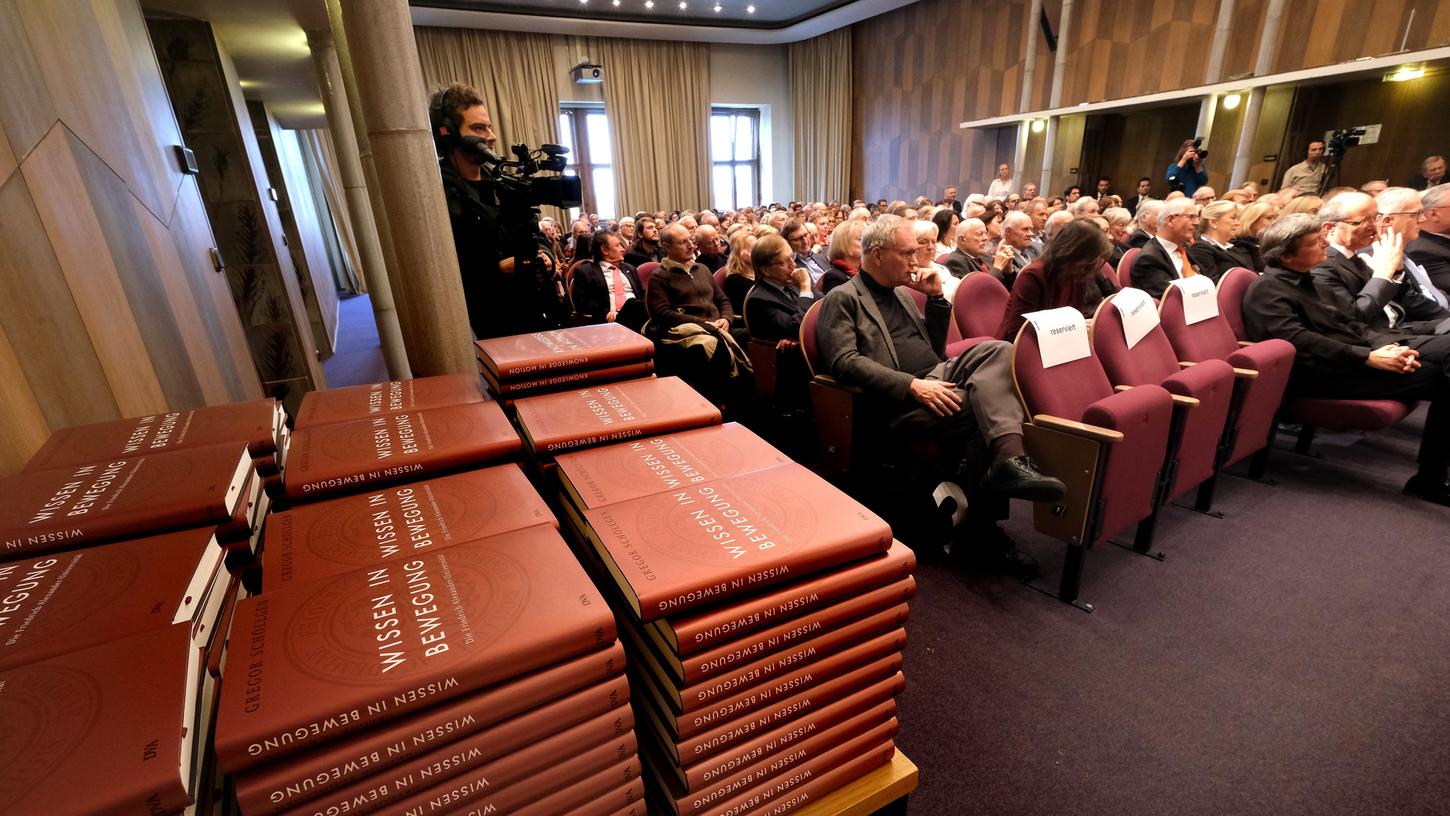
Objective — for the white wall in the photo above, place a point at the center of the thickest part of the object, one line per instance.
(746, 75)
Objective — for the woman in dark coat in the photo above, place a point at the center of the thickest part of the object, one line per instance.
(1071, 272)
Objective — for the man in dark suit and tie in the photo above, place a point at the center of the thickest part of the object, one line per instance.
(782, 293)
(1164, 258)
(815, 264)
(1432, 172)
(1432, 249)
(1145, 192)
(1146, 223)
(1378, 295)
(605, 289)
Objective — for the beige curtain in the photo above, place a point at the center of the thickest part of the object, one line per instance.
(513, 72)
(820, 89)
(657, 97)
(321, 156)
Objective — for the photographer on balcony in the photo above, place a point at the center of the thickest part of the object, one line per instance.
(1187, 173)
(501, 299)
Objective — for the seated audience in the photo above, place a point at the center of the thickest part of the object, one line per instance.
(781, 295)
(1165, 258)
(1342, 358)
(709, 249)
(844, 253)
(1017, 236)
(739, 274)
(1203, 195)
(1119, 222)
(1055, 222)
(1254, 219)
(872, 336)
(799, 240)
(1069, 273)
(1215, 253)
(1085, 206)
(1375, 187)
(1146, 223)
(1432, 249)
(947, 221)
(1350, 283)
(690, 315)
(1432, 172)
(972, 253)
(1401, 210)
(1303, 204)
(925, 234)
(604, 288)
(646, 247)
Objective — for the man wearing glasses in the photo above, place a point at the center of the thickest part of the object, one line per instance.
(1165, 256)
(1385, 297)
(1432, 249)
(872, 336)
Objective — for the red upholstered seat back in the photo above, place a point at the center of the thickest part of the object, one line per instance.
(1151, 361)
(1210, 339)
(809, 346)
(1112, 274)
(720, 277)
(953, 335)
(646, 271)
(979, 305)
(1064, 390)
(1125, 266)
(1232, 287)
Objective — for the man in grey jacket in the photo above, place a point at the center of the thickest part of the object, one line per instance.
(872, 335)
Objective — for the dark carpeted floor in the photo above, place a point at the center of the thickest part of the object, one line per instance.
(1293, 657)
(358, 359)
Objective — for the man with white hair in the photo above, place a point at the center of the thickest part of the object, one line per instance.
(1432, 249)
(1086, 206)
(709, 249)
(1017, 233)
(1146, 223)
(972, 243)
(1383, 299)
(872, 336)
(1165, 258)
(1054, 223)
(1029, 191)
(1204, 195)
(1401, 210)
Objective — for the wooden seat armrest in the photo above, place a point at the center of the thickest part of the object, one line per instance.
(1186, 364)
(1245, 343)
(1179, 399)
(1246, 374)
(1077, 428)
(828, 381)
(1118, 389)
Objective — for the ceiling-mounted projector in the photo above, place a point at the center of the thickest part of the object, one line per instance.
(586, 73)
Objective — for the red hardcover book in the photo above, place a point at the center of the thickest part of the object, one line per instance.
(216, 656)
(244, 516)
(811, 780)
(85, 505)
(622, 777)
(62, 602)
(598, 795)
(794, 708)
(392, 397)
(255, 423)
(437, 766)
(335, 656)
(537, 770)
(516, 389)
(614, 473)
(530, 356)
(698, 631)
(584, 417)
(815, 645)
(710, 542)
(103, 730)
(350, 457)
(339, 535)
(839, 744)
(282, 784)
(722, 708)
(874, 702)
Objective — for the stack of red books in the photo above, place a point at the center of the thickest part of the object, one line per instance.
(527, 364)
(385, 398)
(599, 415)
(762, 610)
(474, 677)
(261, 424)
(117, 582)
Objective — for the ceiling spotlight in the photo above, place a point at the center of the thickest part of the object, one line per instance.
(649, 4)
(1231, 101)
(718, 7)
(750, 9)
(1037, 125)
(616, 3)
(683, 5)
(1405, 74)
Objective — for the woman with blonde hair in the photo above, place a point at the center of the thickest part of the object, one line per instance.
(844, 254)
(1307, 204)
(1214, 252)
(739, 274)
(1254, 219)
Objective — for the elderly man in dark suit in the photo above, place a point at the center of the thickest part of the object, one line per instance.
(1432, 249)
(1382, 298)
(1145, 220)
(605, 289)
(872, 336)
(972, 244)
(782, 293)
(1164, 259)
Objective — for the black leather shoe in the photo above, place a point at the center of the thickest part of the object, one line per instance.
(1429, 488)
(1019, 478)
(990, 548)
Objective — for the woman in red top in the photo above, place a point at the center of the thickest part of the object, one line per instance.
(1071, 272)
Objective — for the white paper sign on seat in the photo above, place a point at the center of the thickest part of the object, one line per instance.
(1061, 335)
(1138, 313)
(1200, 298)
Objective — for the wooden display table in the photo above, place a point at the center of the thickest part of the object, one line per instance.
(885, 787)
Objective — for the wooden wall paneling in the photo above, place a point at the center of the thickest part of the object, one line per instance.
(62, 193)
(1068, 153)
(24, 429)
(1223, 142)
(1342, 30)
(95, 91)
(26, 109)
(1437, 32)
(8, 164)
(191, 232)
(1141, 143)
(41, 321)
(1242, 52)
(1123, 48)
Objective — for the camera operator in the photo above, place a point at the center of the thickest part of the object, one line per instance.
(501, 301)
(1186, 173)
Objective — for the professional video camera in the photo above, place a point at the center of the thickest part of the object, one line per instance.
(1341, 141)
(521, 191)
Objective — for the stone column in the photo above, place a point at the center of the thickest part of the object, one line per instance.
(1262, 67)
(359, 208)
(395, 106)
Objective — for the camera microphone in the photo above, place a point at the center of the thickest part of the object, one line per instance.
(480, 149)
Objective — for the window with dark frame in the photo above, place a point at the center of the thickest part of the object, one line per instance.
(584, 129)
(735, 157)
